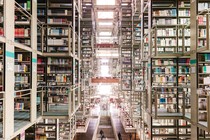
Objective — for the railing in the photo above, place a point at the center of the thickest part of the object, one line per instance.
(58, 100)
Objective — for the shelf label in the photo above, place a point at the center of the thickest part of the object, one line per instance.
(193, 61)
(34, 60)
(10, 54)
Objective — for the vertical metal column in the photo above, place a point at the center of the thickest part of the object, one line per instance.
(149, 91)
(193, 42)
(34, 61)
(8, 120)
(79, 52)
(74, 50)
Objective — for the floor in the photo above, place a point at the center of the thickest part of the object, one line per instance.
(105, 126)
(90, 131)
(119, 127)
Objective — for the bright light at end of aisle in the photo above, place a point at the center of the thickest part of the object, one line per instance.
(104, 89)
(105, 71)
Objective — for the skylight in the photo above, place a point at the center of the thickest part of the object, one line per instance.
(106, 15)
(105, 2)
(105, 23)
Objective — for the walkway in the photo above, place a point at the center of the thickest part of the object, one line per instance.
(105, 126)
(119, 128)
(89, 134)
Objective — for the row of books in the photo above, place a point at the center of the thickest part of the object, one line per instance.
(202, 33)
(40, 12)
(58, 99)
(19, 57)
(60, 78)
(167, 100)
(21, 68)
(40, 61)
(58, 61)
(40, 70)
(54, 41)
(184, 79)
(57, 49)
(19, 106)
(165, 70)
(171, 12)
(205, 69)
(58, 31)
(203, 6)
(184, 21)
(22, 32)
(186, 42)
(164, 62)
(166, 32)
(186, 32)
(1, 65)
(185, 12)
(184, 61)
(26, 5)
(165, 21)
(166, 50)
(202, 43)
(57, 21)
(166, 42)
(201, 20)
(184, 70)
(22, 79)
(60, 5)
(183, 4)
(164, 79)
(204, 57)
(59, 12)
(52, 71)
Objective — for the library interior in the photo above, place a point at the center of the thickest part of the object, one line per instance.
(104, 69)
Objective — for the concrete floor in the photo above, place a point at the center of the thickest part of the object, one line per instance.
(119, 127)
(90, 131)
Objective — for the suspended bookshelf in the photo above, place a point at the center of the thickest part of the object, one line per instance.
(22, 25)
(203, 90)
(59, 81)
(145, 32)
(46, 129)
(58, 18)
(41, 81)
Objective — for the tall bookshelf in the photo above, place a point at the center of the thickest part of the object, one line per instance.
(126, 47)
(23, 22)
(58, 19)
(86, 57)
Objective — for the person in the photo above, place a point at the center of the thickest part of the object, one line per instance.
(101, 132)
(119, 136)
(130, 135)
